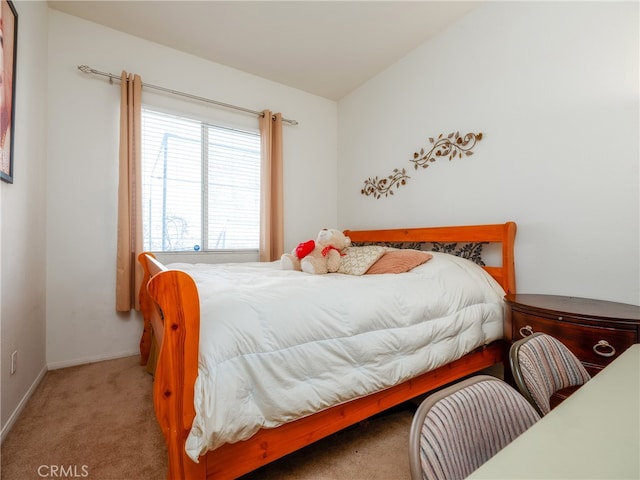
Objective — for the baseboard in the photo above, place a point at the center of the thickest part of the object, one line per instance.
(84, 361)
(16, 413)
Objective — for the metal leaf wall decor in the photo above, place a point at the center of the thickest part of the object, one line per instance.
(384, 186)
(451, 146)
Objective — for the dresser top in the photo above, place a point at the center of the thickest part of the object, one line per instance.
(575, 306)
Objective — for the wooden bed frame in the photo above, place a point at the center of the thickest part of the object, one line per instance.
(170, 305)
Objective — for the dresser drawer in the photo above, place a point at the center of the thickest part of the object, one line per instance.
(595, 346)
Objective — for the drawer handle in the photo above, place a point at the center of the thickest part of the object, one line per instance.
(609, 351)
(527, 330)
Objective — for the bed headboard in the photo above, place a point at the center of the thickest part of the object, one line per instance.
(473, 235)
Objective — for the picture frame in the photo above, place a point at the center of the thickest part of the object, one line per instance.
(9, 41)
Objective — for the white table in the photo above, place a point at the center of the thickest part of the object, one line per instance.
(593, 434)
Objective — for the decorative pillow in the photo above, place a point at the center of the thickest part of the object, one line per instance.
(357, 260)
(399, 261)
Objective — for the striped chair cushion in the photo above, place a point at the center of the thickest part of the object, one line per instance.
(547, 366)
(464, 429)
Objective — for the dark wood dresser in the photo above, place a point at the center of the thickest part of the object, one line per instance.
(596, 331)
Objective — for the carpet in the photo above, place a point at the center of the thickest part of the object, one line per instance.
(96, 421)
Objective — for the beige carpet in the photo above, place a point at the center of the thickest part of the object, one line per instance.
(375, 449)
(96, 422)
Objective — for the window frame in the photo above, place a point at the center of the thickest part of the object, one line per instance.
(222, 255)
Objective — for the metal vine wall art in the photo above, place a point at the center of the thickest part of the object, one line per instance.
(451, 146)
(384, 186)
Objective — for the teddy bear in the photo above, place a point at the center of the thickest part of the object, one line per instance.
(319, 256)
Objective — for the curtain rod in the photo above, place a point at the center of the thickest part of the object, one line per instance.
(112, 77)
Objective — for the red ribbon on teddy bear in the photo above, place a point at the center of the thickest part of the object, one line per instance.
(328, 248)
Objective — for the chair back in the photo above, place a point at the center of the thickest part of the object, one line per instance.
(457, 429)
(541, 365)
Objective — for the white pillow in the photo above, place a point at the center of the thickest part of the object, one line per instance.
(357, 260)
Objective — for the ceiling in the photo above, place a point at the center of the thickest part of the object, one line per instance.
(327, 48)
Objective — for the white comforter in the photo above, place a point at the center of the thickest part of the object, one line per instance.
(279, 345)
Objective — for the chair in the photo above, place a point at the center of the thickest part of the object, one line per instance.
(541, 365)
(457, 429)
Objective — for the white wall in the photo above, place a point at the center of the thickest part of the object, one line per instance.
(22, 226)
(553, 86)
(82, 324)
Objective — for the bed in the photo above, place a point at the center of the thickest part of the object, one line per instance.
(171, 303)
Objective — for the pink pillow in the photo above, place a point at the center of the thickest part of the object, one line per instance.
(399, 261)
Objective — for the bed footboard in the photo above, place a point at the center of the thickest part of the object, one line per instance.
(173, 312)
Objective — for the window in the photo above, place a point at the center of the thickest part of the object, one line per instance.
(200, 185)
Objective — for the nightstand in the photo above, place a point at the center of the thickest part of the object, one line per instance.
(596, 331)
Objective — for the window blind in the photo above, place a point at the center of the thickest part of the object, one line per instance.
(201, 185)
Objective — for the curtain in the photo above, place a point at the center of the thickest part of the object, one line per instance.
(128, 270)
(272, 210)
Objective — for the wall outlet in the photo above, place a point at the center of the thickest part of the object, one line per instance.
(14, 362)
